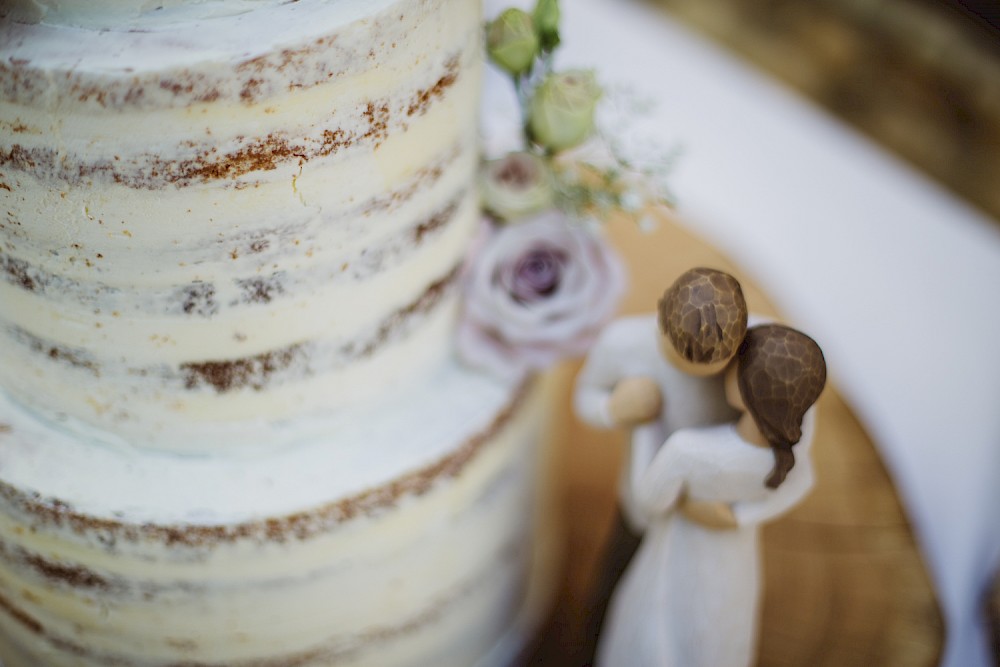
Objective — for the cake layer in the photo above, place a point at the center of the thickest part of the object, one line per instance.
(226, 216)
(424, 513)
(136, 15)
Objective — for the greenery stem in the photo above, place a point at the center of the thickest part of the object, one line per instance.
(524, 100)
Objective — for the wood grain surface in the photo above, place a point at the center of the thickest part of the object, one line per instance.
(844, 582)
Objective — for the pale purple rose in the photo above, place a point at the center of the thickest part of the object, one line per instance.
(536, 292)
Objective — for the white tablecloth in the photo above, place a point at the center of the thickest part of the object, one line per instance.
(895, 278)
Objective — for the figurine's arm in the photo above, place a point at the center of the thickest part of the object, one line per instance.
(606, 396)
(710, 513)
(658, 473)
(722, 515)
(778, 501)
(796, 486)
(597, 378)
(645, 443)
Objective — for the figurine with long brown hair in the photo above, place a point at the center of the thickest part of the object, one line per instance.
(691, 594)
(654, 374)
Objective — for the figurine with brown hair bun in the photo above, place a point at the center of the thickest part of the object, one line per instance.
(690, 596)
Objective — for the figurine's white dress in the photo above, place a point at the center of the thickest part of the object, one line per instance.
(629, 347)
(690, 596)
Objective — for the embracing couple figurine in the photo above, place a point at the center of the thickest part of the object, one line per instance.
(721, 424)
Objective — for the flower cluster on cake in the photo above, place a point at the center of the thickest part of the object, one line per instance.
(543, 280)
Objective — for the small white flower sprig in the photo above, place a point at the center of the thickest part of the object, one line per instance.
(564, 161)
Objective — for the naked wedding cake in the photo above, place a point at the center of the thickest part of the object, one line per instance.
(232, 428)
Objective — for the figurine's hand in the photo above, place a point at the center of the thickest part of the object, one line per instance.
(710, 514)
(635, 401)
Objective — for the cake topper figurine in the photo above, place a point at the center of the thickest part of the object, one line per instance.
(691, 595)
(655, 374)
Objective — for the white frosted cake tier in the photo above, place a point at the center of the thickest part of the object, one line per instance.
(222, 214)
(232, 431)
(411, 536)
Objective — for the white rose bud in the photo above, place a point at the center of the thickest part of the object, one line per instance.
(512, 42)
(546, 17)
(516, 185)
(561, 114)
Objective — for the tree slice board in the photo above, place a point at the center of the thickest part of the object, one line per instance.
(844, 581)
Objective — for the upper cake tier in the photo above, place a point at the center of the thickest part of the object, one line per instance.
(221, 216)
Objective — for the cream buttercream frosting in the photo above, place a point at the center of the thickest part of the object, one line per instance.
(231, 218)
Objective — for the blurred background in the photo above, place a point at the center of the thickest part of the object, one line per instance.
(921, 77)
(845, 155)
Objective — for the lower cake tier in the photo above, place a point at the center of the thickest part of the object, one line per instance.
(418, 536)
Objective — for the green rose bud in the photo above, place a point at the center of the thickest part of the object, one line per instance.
(512, 42)
(546, 18)
(516, 185)
(561, 114)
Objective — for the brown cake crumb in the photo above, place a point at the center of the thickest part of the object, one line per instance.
(58, 353)
(76, 576)
(251, 89)
(21, 617)
(253, 372)
(199, 299)
(422, 100)
(261, 290)
(377, 117)
(176, 87)
(259, 246)
(17, 272)
(434, 223)
(20, 158)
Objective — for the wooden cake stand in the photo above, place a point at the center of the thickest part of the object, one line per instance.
(844, 581)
